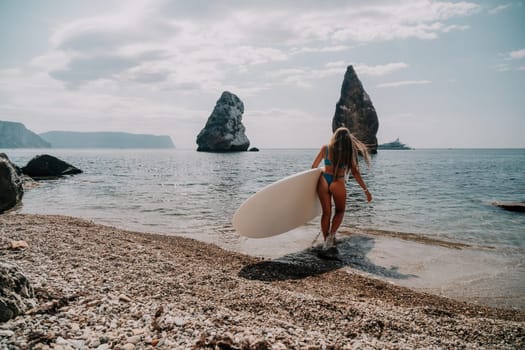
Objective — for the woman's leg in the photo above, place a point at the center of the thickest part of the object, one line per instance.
(326, 205)
(338, 190)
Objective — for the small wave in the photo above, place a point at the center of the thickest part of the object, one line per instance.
(415, 237)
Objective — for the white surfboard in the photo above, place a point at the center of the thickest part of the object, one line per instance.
(280, 206)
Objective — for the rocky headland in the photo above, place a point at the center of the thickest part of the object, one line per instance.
(98, 287)
(224, 131)
(16, 135)
(103, 139)
(355, 111)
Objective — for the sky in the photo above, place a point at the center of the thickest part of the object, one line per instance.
(441, 74)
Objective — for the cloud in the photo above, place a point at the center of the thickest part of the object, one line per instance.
(499, 9)
(392, 21)
(335, 48)
(300, 77)
(209, 34)
(83, 70)
(517, 55)
(305, 76)
(510, 59)
(503, 67)
(397, 84)
(380, 70)
(455, 27)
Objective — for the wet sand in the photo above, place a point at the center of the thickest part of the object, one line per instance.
(100, 287)
(476, 274)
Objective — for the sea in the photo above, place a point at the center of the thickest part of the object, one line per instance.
(442, 194)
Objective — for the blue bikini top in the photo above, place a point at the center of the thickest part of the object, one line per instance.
(329, 162)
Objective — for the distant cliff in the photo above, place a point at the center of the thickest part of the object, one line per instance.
(74, 139)
(15, 135)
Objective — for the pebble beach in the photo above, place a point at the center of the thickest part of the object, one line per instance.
(99, 287)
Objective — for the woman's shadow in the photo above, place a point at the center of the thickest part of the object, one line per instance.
(350, 251)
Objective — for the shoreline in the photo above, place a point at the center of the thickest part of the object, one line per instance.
(99, 285)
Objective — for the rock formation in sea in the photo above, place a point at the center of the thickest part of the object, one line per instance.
(356, 111)
(45, 166)
(16, 135)
(224, 131)
(511, 206)
(11, 184)
(16, 293)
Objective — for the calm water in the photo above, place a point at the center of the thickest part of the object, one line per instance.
(445, 193)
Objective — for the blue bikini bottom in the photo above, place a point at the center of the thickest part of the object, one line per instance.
(330, 178)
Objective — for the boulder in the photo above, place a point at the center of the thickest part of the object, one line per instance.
(224, 131)
(355, 111)
(11, 184)
(16, 293)
(253, 149)
(46, 166)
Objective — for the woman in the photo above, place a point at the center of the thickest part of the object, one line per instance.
(340, 158)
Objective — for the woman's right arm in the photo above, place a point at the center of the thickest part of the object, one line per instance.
(319, 157)
(359, 180)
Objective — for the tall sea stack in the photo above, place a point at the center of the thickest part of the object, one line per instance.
(355, 111)
(224, 131)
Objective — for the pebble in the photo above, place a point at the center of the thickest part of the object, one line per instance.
(103, 339)
(124, 297)
(94, 343)
(19, 245)
(134, 339)
(138, 331)
(179, 321)
(6, 333)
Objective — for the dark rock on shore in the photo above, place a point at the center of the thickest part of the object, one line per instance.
(224, 131)
(11, 184)
(254, 149)
(16, 292)
(355, 111)
(46, 166)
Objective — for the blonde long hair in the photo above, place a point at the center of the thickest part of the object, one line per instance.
(345, 147)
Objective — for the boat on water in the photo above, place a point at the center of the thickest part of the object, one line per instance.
(394, 145)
